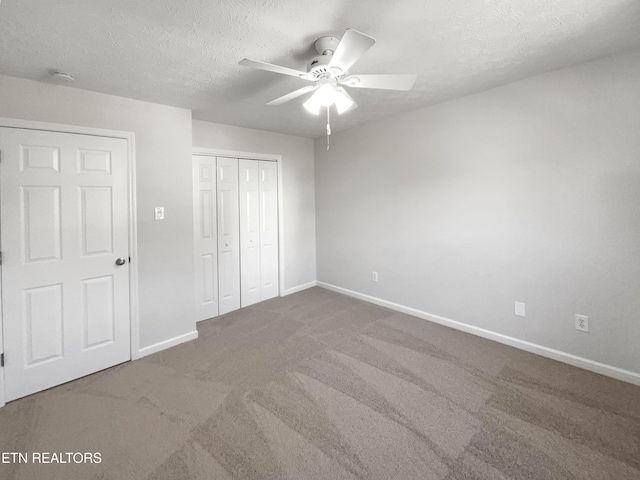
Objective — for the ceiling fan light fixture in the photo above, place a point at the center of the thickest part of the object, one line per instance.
(327, 95)
(324, 96)
(343, 100)
(313, 105)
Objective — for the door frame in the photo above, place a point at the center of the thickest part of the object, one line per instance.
(216, 152)
(133, 232)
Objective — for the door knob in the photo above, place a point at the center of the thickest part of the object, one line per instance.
(120, 261)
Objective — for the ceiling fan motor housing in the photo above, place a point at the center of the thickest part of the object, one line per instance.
(324, 45)
(318, 66)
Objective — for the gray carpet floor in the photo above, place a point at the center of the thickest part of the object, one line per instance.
(317, 385)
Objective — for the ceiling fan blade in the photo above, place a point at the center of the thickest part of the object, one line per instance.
(384, 82)
(270, 67)
(292, 95)
(351, 47)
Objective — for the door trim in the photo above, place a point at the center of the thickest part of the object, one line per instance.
(133, 232)
(215, 152)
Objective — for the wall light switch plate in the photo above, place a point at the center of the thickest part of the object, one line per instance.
(159, 213)
(519, 310)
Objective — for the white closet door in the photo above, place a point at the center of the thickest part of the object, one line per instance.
(249, 186)
(268, 229)
(228, 235)
(65, 246)
(206, 236)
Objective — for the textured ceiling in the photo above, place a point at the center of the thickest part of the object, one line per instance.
(186, 52)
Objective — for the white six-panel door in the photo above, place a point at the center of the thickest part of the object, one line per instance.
(228, 235)
(64, 223)
(206, 237)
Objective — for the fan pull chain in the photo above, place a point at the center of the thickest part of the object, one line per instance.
(328, 127)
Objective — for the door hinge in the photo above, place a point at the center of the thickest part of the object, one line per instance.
(1, 359)
(0, 258)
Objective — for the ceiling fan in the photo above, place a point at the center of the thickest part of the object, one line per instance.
(330, 69)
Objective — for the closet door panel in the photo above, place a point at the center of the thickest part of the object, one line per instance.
(228, 235)
(249, 186)
(206, 238)
(268, 180)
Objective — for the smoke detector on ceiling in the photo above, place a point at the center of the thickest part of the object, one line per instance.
(61, 77)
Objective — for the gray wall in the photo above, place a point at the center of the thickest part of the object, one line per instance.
(298, 189)
(528, 192)
(163, 155)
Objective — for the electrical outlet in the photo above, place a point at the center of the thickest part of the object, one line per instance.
(159, 213)
(582, 323)
(374, 276)
(519, 309)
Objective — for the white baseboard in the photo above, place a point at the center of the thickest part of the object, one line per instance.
(172, 342)
(585, 363)
(299, 288)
